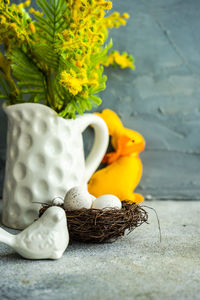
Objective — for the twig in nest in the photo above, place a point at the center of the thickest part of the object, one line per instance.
(158, 221)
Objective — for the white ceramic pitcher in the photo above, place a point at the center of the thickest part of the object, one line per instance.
(45, 158)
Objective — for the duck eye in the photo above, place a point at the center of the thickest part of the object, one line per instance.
(132, 141)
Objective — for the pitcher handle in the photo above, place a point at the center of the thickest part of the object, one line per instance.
(100, 142)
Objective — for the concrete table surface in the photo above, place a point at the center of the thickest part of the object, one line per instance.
(137, 266)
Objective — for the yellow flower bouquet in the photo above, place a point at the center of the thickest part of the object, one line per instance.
(55, 55)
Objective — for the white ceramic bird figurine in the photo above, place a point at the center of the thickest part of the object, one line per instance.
(46, 238)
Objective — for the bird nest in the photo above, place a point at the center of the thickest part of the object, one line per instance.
(102, 225)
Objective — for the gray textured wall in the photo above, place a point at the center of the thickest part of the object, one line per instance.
(161, 97)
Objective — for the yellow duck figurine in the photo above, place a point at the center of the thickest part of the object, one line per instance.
(124, 167)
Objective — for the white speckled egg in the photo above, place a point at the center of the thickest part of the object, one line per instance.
(107, 201)
(77, 198)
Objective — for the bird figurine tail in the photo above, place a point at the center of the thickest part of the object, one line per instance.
(6, 237)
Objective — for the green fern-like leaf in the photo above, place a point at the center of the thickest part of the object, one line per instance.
(30, 78)
(97, 59)
(46, 55)
(4, 89)
(54, 21)
(48, 27)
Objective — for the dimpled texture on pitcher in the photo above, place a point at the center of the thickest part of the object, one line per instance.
(44, 160)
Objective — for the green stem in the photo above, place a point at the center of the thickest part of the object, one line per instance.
(50, 91)
(5, 69)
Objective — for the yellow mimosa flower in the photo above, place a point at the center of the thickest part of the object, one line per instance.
(32, 27)
(73, 83)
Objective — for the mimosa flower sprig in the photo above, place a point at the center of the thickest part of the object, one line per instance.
(56, 57)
